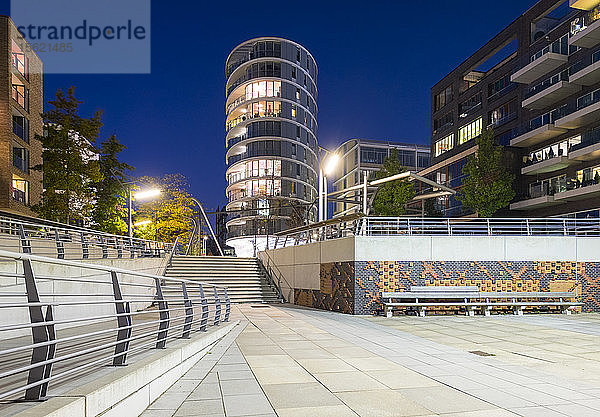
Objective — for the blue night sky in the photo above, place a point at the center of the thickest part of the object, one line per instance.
(377, 62)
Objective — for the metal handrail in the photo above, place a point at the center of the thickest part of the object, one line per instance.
(428, 226)
(74, 321)
(268, 269)
(64, 241)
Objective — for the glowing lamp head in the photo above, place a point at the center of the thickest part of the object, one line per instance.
(142, 223)
(331, 163)
(147, 194)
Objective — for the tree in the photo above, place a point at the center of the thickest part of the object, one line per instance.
(110, 211)
(171, 214)
(391, 197)
(70, 162)
(488, 184)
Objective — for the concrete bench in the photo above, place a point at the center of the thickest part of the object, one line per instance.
(471, 298)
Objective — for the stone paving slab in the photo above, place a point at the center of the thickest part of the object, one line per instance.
(292, 362)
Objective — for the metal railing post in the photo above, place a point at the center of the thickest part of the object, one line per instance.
(104, 247)
(119, 247)
(25, 243)
(189, 312)
(489, 227)
(565, 227)
(84, 247)
(217, 306)
(131, 249)
(161, 340)
(123, 321)
(227, 304)
(528, 227)
(60, 248)
(204, 302)
(41, 335)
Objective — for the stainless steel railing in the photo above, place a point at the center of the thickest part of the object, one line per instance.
(67, 242)
(62, 319)
(426, 226)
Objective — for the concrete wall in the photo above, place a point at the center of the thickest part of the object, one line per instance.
(488, 248)
(300, 265)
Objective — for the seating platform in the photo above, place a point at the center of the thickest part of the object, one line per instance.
(420, 298)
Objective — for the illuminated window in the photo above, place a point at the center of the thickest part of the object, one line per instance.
(293, 111)
(20, 60)
(297, 94)
(470, 131)
(20, 190)
(444, 145)
(263, 89)
(558, 149)
(264, 109)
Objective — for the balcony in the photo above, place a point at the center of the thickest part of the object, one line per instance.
(588, 189)
(548, 165)
(533, 203)
(540, 195)
(550, 95)
(549, 91)
(541, 66)
(586, 37)
(537, 135)
(587, 111)
(588, 152)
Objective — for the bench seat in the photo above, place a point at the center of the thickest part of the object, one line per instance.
(472, 299)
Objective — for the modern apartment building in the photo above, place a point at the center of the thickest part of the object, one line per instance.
(271, 140)
(365, 156)
(20, 121)
(537, 84)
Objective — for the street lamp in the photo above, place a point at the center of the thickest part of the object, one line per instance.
(326, 167)
(142, 195)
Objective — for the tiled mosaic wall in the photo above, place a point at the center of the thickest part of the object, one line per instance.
(373, 277)
(337, 289)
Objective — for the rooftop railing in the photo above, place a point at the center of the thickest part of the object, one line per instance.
(354, 225)
(69, 242)
(64, 319)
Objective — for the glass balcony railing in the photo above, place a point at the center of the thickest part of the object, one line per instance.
(589, 138)
(559, 46)
(548, 82)
(234, 122)
(235, 140)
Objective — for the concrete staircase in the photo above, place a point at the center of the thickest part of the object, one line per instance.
(245, 280)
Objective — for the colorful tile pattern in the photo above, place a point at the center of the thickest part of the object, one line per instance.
(373, 277)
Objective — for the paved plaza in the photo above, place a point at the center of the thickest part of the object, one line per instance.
(290, 362)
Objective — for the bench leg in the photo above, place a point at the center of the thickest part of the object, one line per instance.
(421, 311)
(470, 311)
(389, 312)
(567, 311)
(487, 311)
(518, 311)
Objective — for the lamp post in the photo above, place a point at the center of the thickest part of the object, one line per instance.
(208, 224)
(326, 167)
